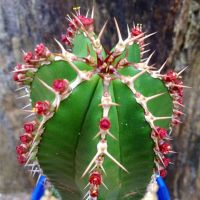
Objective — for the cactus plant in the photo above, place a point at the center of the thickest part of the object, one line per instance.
(100, 121)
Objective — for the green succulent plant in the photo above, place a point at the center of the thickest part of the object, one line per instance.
(101, 121)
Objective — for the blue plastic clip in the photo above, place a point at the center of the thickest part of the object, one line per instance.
(38, 191)
(163, 193)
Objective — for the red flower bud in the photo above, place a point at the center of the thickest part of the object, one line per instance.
(95, 178)
(165, 148)
(42, 107)
(28, 56)
(60, 85)
(26, 138)
(21, 159)
(163, 173)
(29, 127)
(40, 50)
(104, 124)
(21, 149)
(160, 132)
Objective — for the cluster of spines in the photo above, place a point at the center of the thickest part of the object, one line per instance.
(24, 74)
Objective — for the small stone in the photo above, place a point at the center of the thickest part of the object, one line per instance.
(104, 124)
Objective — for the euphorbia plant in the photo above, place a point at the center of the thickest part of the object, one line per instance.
(101, 121)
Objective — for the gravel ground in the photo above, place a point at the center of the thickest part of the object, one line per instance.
(15, 196)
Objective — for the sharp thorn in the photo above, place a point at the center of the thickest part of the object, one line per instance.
(92, 14)
(111, 135)
(86, 186)
(89, 166)
(32, 114)
(149, 58)
(61, 46)
(102, 30)
(154, 96)
(161, 118)
(87, 13)
(163, 65)
(115, 161)
(128, 31)
(146, 36)
(21, 88)
(118, 30)
(46, 86)
(104, 171)
(104, 185)
(179, 73)
(24, 96)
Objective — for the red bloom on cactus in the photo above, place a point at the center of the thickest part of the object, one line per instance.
(84, 20)
(160, 132)
(60, 85)
(28, 56)
(163, 173)
(26, 138)
(29, 127)
(136, 31)
(95, 178)
(165, 148)
(170, 76)
(166, 161)
(42, 107)
(104, 123)
(40, 50)
(21, 159)
(21, 149)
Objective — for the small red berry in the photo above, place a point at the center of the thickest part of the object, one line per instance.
(165, 148)
(21, 149)
(42, 107)
(60, 85)
(29, 127)
(163, 173)
(95, 178)
(28, 56)
(21, 159)
(160, 132)
(104, 123)
(26, 138)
